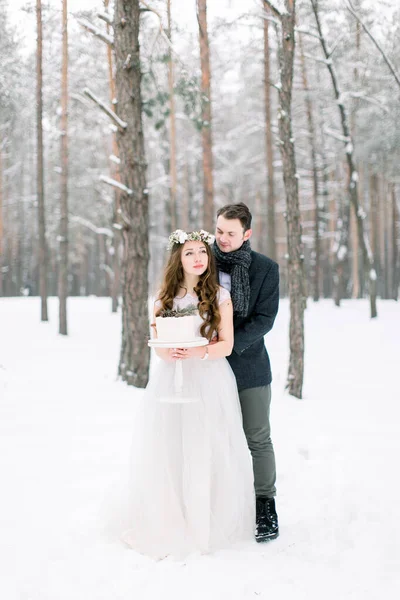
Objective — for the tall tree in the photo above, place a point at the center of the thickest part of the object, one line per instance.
(63, 236)
(353, 216)
(1, 214)
(208, 183)
(395, 245)
(314, 166)
(42, 254)
(172, 127)
(135, 354)
(287, 17)
(116, 277)
(352, 187)
(271, 234)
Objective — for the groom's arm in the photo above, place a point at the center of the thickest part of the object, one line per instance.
(262, 318)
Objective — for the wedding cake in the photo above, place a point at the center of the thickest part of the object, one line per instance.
(177, 329)
(178, 324)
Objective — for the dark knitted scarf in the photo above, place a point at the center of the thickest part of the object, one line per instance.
(237, 264)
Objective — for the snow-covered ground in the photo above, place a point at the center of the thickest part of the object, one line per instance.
(65, 425)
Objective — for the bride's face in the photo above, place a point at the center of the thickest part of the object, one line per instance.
(194, 258)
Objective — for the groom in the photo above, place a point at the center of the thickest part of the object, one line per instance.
(253, 281)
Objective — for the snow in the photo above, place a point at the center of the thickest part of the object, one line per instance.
(349, 148)
(116, 184)
(342, 253)
(361, 213)
(64, 448)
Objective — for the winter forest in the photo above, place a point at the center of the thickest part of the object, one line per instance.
(306, 133)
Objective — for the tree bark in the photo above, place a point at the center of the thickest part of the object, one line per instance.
(115, 285)
(1, 216)
(63, 237)
(353, 216)
(172, 129)
(208, 184)
(315, 187)
(294, 242)
(395, 246)
(135, 354)
(374, 218)
(271, 229)
(352, 172)
(42, 253)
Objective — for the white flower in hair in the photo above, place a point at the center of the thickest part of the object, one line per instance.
(180, 237)
(183, 236)
(207, 237)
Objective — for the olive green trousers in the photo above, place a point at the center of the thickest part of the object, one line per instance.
(255, 403)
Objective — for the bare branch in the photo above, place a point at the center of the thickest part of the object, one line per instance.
(350, 8)
(324, 61)
(278, 12)
(161, 30)
(92, 226)
(336, 135)
(107, 269)
(104, 37)
(362, 96)
(117, 184)
(105, 17)
(307, 32)
(105, 109)
(336, 44)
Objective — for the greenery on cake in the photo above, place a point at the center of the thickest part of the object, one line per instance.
(188, 311)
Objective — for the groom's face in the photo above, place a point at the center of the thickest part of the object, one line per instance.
(229, 234)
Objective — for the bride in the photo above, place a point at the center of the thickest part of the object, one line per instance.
(191, 483)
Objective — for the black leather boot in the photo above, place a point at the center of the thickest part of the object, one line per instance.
(266, 519)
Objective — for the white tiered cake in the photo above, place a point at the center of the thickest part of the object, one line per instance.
(177, 329)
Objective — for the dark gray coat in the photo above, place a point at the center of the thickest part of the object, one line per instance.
(249, 359)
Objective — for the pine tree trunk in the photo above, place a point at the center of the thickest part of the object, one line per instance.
(383, 237)
(63, 237)
(374, 218)
(172, 130)
(135, 353)
(313, 152)
(1, 217)
(294, 243)
(271, 229)
(395, 246)
(353, 216)
(208, 185)
(42, 253)
(115, 286)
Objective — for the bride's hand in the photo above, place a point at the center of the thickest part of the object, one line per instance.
(183, 353)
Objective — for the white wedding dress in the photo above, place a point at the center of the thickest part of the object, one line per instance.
(191, 484)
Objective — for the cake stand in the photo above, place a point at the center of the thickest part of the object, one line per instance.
(179, 396)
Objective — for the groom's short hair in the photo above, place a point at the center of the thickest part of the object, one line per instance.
(237, 211)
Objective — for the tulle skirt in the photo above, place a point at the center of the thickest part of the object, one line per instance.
(191, 481)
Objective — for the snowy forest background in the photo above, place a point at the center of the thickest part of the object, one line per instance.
(236, 30)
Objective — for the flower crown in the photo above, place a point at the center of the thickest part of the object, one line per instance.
(180, 237)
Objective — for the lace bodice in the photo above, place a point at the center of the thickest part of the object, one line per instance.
(183, 302)
(188, 299)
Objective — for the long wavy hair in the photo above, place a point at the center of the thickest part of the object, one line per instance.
(206, 289)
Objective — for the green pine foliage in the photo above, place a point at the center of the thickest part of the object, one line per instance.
(188, 311)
